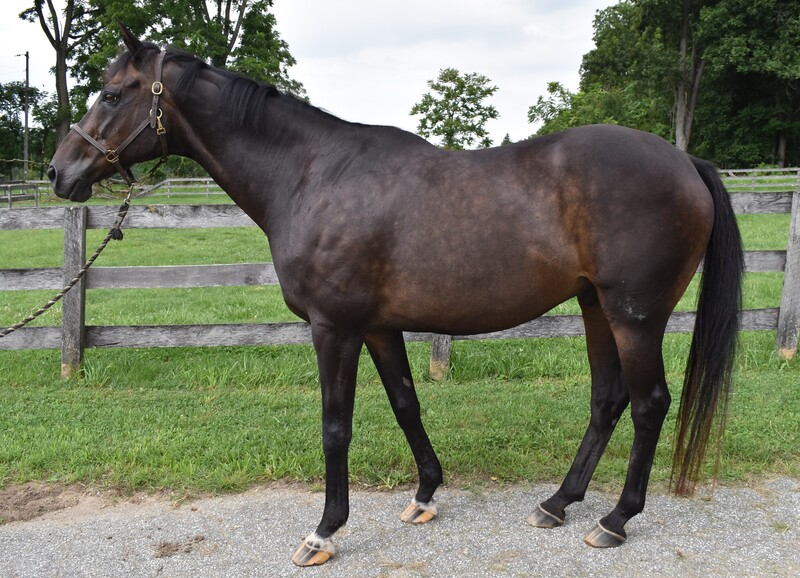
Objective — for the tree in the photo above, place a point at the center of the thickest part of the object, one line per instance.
(552, 109)
(719, 78)
(240, 35)
(622, 79)
(262, 54)
(455, 111)
(674, 50)
(237, 34)
(644, 72)
(752, 49)
(60, 35)
(12, 97)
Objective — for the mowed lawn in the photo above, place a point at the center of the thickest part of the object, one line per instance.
(220, 419)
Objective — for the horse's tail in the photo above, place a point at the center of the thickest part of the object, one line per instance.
(707, 382)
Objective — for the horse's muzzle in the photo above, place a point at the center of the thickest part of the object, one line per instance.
(73, 189)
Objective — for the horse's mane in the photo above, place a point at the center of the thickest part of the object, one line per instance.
(243, 101)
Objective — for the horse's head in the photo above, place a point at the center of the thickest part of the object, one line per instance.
(123, 126)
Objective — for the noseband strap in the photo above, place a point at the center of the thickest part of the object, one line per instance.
(153, 121)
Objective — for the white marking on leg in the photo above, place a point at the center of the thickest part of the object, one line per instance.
(317, 542)
(427, 506)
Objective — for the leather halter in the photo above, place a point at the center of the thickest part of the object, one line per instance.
(153, 121)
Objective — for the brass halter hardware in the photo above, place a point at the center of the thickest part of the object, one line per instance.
(153, 120)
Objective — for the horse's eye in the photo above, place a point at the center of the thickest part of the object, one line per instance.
(110, 97)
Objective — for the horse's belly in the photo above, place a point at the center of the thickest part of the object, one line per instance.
(465, 304)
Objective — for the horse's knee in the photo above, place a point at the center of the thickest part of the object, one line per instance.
(336, 439)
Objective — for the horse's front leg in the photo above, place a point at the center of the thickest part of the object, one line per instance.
(337, 357)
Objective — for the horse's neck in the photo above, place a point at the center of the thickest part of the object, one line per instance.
(260, 169)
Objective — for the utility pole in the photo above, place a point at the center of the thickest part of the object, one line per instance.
(27, 56)
(27, 90)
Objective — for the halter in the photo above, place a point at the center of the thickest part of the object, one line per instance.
(153, 121)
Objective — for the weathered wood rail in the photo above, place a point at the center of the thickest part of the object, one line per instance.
(73, 336)
(182, 186)
(27, 191)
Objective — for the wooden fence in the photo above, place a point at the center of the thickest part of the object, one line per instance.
(28, 191)
(73, 336)
(182, 186)
(17, 192)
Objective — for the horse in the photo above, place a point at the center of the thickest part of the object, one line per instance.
(375, 231)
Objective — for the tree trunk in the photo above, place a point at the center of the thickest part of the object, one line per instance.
(59, 40)
(782, 140)
(689, 75)
(64, 113)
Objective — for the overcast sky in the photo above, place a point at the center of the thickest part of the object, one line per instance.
(369, 61)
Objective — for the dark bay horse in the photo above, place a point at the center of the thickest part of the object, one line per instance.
(375, 232)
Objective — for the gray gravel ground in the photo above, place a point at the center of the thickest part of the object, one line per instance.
(738, 532)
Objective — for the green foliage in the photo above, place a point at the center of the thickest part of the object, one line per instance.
(752, 51)
(618, 82)
(41, 142)
(10, 124)
(262, 54)
(563, 109)
(236, 34)
(718, 78)
(454, 109)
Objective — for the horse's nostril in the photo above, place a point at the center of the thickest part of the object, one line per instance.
(51, 173)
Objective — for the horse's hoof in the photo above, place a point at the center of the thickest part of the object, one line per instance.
(419, 513)
(541, 518)
(600, 537)
(314, 551)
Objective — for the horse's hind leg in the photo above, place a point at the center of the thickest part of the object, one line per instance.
(609, 400)
(639, 343)
(389, 354)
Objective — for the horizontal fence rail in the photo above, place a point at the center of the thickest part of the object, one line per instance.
(73, 336)
(28, 191)
(182, 186)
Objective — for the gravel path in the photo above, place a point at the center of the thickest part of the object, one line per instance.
(738, 532)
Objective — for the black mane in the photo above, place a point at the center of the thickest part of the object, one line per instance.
(243, 101)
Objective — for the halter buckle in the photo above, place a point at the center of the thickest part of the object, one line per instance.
(157, 88)
(112, 156)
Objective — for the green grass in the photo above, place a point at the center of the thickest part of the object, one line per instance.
(220, 419)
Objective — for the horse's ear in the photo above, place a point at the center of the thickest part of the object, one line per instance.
(131, 42)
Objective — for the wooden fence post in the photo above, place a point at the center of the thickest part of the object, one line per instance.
(441, 347)
(789, 315)
(74, 302)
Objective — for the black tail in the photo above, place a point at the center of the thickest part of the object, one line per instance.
(707, 383)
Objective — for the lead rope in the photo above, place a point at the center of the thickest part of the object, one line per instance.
(112, 156)
(115, 232)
